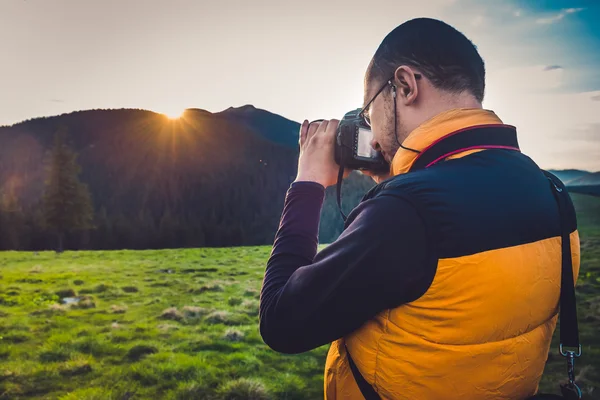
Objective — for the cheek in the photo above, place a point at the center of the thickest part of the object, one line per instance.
(380, 127)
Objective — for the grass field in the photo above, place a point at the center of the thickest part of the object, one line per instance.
(182, 324)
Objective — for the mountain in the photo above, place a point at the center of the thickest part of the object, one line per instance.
(578, 181)
(590, 179)
(271, 126)
(206, 179)
(568, 175)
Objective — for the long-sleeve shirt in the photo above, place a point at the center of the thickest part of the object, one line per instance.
(380, 261)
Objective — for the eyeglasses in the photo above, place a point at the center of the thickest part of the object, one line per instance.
(364, 113)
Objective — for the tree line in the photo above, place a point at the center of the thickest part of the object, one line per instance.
(216, 210)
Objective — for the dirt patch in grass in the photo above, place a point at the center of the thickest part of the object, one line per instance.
(172, 313)
(130, 289)
(139, 351)
(118, 309)
(207, 288)
(233, 335)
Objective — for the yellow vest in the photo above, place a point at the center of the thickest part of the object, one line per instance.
(481, 331)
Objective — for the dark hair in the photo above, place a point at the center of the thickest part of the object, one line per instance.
(443, 54)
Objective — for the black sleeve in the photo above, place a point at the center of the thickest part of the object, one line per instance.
(380, 261)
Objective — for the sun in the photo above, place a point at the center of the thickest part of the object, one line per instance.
(174, 114)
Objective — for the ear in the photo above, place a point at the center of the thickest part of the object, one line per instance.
(404, 78)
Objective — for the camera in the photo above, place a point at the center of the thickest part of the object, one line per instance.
(353, 145)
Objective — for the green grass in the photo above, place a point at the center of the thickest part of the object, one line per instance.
(140, 331)
(182, 324)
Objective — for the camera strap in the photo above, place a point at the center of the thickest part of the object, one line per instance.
(504, 137)
(338, 189)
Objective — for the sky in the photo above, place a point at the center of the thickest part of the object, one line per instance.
(301, 59)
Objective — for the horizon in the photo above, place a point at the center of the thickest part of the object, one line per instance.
(217, 112)
(169, 56)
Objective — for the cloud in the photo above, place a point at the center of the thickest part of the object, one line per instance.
(590, 133)
(518, 13)
(577, 147)
(587, 132)
(557, 17)
(478, 20)
(530, 79)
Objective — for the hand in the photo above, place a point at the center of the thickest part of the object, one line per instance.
(316, 162)
(377, 177)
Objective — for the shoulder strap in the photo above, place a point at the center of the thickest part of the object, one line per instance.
(474, 137)
(365, 387)
(569, 329)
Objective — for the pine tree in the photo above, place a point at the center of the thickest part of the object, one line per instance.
(67, 201)
(11, 221)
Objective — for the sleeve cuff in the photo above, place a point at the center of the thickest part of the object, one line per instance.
(308, 186)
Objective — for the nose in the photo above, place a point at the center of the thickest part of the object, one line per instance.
(375, 145)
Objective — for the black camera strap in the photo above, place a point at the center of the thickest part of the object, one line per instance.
(504, 137)
(338, 189)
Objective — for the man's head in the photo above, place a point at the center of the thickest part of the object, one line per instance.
(432, 68)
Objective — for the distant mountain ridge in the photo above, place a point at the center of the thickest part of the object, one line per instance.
(578, 181)
(273, 127)
(576, 177)
(206, 179)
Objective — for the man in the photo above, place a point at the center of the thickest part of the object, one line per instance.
(445, 282)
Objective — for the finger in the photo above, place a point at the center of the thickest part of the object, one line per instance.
(331, 129)
(312, 128)
(322, 127)
(303, 132)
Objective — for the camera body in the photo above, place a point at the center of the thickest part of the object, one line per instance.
(353, 145)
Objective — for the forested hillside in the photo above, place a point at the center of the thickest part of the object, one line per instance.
(201, 180)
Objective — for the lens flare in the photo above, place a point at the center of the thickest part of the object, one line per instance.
(174, 114)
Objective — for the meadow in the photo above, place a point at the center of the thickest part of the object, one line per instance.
(183, 324)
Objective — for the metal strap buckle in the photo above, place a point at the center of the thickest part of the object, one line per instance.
(571, 355)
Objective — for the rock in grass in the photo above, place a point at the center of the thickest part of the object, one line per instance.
(78, 282)
(244, 389)
(233, 335)
(172, 313)
(130, 289)
(139, 351)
